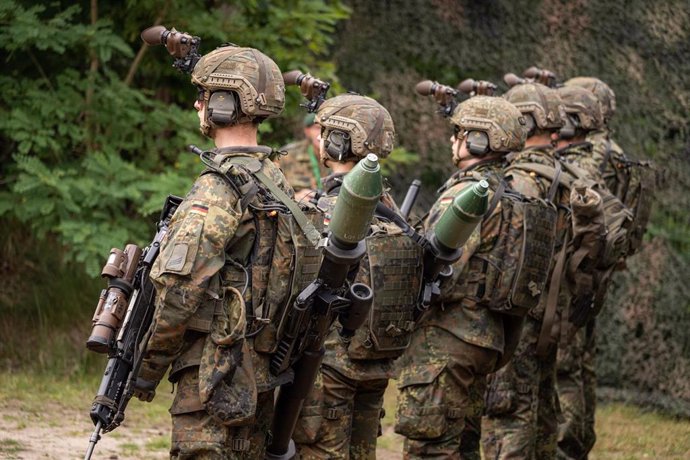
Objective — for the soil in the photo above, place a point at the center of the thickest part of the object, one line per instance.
(63, 433)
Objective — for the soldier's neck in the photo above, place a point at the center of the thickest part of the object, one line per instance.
(538, 139)
(566, 142)
(244, 134)
(340, 168)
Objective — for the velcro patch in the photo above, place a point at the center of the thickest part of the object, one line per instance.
(178, 257)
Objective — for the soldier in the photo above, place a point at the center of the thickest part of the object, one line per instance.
(469, 329)
(521, 405)
(212, 273)
(576, 378)
(520, 420)
(340, 419)
(301, 164)
(584, 116)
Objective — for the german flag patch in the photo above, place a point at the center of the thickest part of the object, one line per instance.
(446, 200)
(199, 209)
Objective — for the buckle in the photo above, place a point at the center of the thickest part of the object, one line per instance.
(240, 445)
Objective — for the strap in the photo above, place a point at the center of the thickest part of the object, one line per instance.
(549, 319)
(500, 190)
(261, 90)
(544, 171)
(376, 130)
(554, 183)
(253, 166)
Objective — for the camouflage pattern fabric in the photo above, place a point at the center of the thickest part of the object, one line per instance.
(613, 178)
(521, 404)
(209, 229)
(341, 416)
(569, 374)
(439, 374)
(298, 166)
(197, 435)
(455, 345)
(349, 418)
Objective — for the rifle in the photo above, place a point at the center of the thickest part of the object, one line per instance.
(128, 285)
(309, 320)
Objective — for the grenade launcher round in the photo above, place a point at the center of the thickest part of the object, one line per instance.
(330, 295)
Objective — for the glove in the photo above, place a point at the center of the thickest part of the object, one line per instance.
(144, 389)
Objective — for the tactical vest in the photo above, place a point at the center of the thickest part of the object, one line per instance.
(285, 257)
(632, 182)
(511, 277)
(393, 268)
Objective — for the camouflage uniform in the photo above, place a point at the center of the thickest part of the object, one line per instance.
(208, 229)
(301, 166)
(521, 402)
(453, 348)
(207, 274)
(341, 416)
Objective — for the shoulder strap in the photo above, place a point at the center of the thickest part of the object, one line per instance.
(554, 183)
(549, 319)
(544, 171)
(253, 166)
(500, 190)
(607, 156)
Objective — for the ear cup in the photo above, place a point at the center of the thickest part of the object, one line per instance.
(222, 108)
(568, 130)
(337, 145)
(478, 143)
(530, 125)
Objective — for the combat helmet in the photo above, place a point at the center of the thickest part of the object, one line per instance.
(541, 103)
(500, 120)
(601, 90)
(253, 78)
(355, 125)
(582, 109)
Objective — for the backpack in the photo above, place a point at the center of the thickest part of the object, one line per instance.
(511, 277)
(633, 182)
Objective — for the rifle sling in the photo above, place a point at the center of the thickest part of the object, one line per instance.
(253, 166)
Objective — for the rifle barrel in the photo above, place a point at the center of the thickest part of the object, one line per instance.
(95, 437)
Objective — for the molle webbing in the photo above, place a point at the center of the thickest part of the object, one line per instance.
(253, 166)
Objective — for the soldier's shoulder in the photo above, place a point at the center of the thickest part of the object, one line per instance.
(212, 189)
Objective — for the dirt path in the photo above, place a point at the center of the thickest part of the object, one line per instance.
(58, 432)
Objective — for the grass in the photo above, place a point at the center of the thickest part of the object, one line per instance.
(43, 404)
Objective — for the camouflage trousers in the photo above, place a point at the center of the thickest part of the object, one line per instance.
(345, 418)
(521, 404)
(197, 435)
(439, 373)
(576, 383)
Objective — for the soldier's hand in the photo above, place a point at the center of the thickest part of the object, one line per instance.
(145, 390)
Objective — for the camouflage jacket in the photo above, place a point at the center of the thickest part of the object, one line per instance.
(581, 154)
(606, 162)
(301, 166)
(336, 355)
(454, 311)
(209, 236)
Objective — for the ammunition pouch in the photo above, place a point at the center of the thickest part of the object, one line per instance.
(393, 268)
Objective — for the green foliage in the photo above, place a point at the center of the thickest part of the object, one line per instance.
(92, 140)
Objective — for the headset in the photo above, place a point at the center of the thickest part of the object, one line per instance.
(222, 108)
(477, 143)
(569, 129)
(338, 145)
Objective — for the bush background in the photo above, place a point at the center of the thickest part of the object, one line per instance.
(93, 128)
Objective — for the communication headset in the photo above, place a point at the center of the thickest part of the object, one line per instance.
(337, 145)
(530, 125)
(222, 108)
(572, 123)
(477, 143)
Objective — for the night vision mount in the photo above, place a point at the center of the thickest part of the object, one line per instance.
(444, 95)
(313, 89)
(182, 46)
